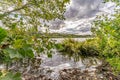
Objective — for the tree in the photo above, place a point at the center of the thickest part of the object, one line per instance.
(20, 37)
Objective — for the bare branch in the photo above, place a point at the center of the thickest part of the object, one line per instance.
(24, 6)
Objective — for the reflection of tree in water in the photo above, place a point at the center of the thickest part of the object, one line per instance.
(81, 8)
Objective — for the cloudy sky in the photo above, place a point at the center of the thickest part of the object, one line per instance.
(82, 8)
(78, 9)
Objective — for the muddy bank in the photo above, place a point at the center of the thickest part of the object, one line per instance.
(102, 72)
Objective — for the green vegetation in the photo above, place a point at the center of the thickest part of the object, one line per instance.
(105, 44)
(107, 32)
(20, 20)
(21, 42)
(75, 49)
(115, 63)
(3, 34)
(10, 76)
(63, 35)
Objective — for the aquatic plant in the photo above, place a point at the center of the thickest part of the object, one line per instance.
(75, 49)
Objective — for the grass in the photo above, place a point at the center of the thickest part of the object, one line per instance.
(75, 49)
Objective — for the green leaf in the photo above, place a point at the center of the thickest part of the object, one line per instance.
(13, 25)
(3, 34)
(0, 73)
(28, 51)
(13, 53)
(59, 46)
(16, 15)
(11, 76)
(22, 52)
(40, 50)
(49, 54)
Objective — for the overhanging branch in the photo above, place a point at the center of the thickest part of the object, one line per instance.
(24, 6)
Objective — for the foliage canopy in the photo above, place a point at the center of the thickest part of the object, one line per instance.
(21, 19)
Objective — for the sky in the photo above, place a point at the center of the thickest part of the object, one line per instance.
(81, 13)
(81, 8)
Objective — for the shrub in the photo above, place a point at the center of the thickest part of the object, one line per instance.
(108, 33)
